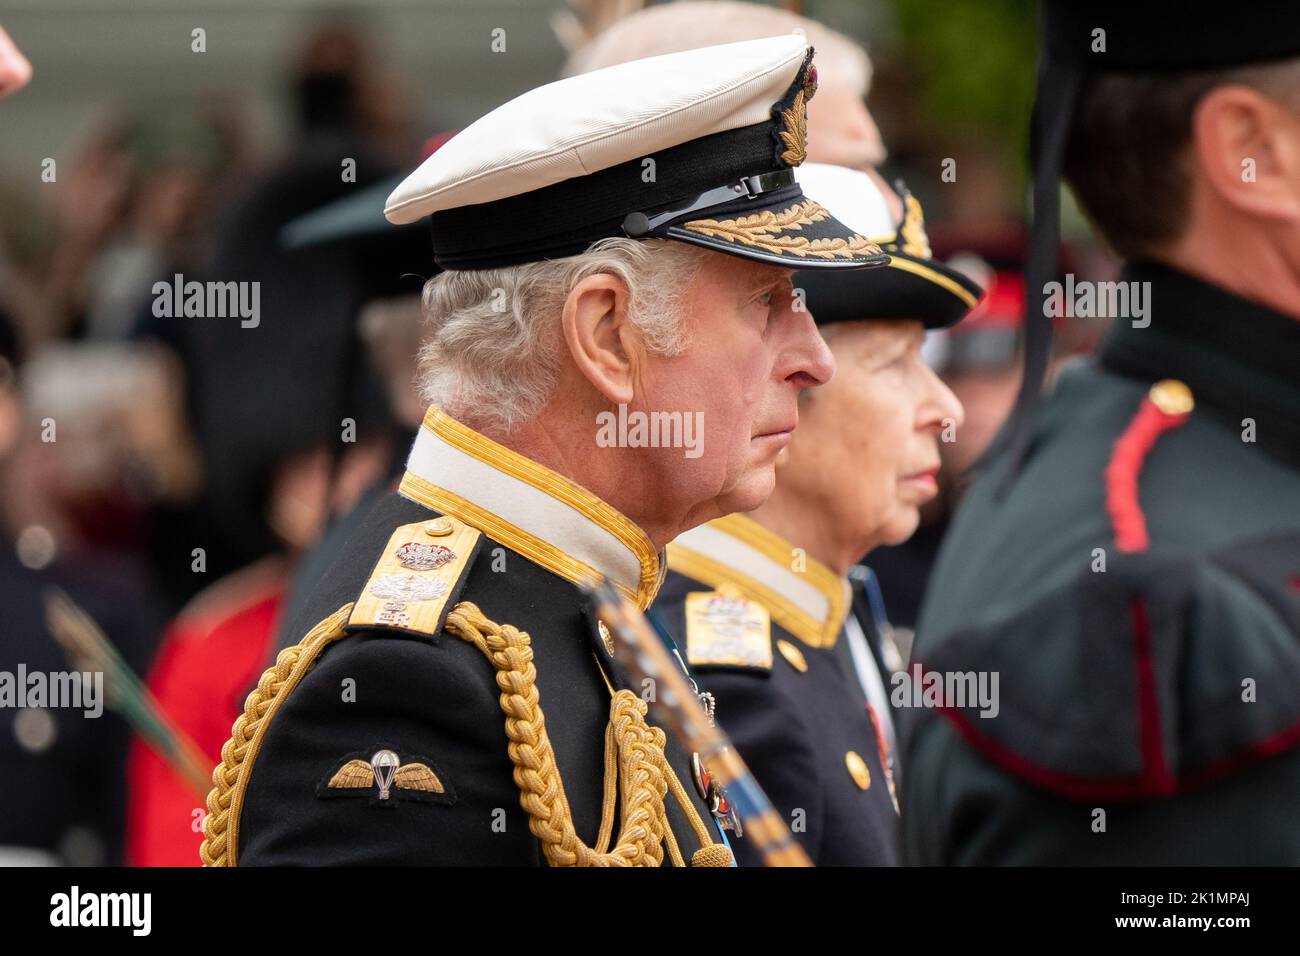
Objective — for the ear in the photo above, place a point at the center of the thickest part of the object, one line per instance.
(600, 338)
(1247, 148)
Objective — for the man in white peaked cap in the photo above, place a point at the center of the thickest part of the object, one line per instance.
(613, 357)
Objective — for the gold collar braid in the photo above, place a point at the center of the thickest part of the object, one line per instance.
(707, 569)
(595, 510)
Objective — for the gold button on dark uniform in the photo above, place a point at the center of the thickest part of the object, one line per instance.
(439, 527)
(793, 655)
(1172, 397)
(858, 769)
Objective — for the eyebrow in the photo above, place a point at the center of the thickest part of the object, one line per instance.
(782, 277)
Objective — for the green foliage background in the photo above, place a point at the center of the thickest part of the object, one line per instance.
(976, 59)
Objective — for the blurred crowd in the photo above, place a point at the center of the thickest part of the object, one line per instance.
(161, 446)
(143, 458)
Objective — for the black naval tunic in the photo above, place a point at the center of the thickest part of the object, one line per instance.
(769, 644)
(432, 698)
(1138, 591)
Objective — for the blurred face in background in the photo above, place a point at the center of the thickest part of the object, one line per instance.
(866, 453)
(986, 396)
(842, 132)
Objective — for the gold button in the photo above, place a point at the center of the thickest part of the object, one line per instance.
(439, 527)
(605, 637)
(793, 655)
(858, 769)
(1172, 397)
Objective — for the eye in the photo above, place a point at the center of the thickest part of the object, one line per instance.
(896, 360)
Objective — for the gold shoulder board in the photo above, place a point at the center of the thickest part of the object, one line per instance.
(418, 576)
(724, 629)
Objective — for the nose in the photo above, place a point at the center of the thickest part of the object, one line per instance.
(806, 359)
(941, 404)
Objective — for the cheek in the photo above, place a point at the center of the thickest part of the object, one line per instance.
(720, 376)
(842, 451)
(878, 434)
(732, 373)
(746, 364)
(880, 456)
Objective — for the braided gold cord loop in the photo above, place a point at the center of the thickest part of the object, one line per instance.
(230, 777)
(711, 854)
(632, 747)
(642, 786)
(635, 765)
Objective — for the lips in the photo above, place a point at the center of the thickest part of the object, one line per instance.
(925, 481)
(780, 429)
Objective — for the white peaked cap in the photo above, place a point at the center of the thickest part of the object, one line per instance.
(587, 123)
(697, 146)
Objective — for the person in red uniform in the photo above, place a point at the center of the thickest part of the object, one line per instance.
(209, 657)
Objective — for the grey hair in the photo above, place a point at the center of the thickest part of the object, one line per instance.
(691, 24)
(493, 346)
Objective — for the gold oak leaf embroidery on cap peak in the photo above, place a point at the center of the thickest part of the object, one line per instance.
(761, 230)
(795, 133)
(794, 119)
(911, 236)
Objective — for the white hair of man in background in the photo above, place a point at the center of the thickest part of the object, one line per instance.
(841, 129)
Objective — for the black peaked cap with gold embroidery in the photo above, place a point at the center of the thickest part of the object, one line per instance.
(914, 285)
(699, 147)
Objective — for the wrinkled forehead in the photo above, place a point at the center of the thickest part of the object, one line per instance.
(741, 276)
(872, 334)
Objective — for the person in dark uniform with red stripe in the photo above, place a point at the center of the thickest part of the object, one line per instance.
(1128, 565)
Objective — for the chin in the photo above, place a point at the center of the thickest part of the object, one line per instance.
(901, 527)
(751, 491)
